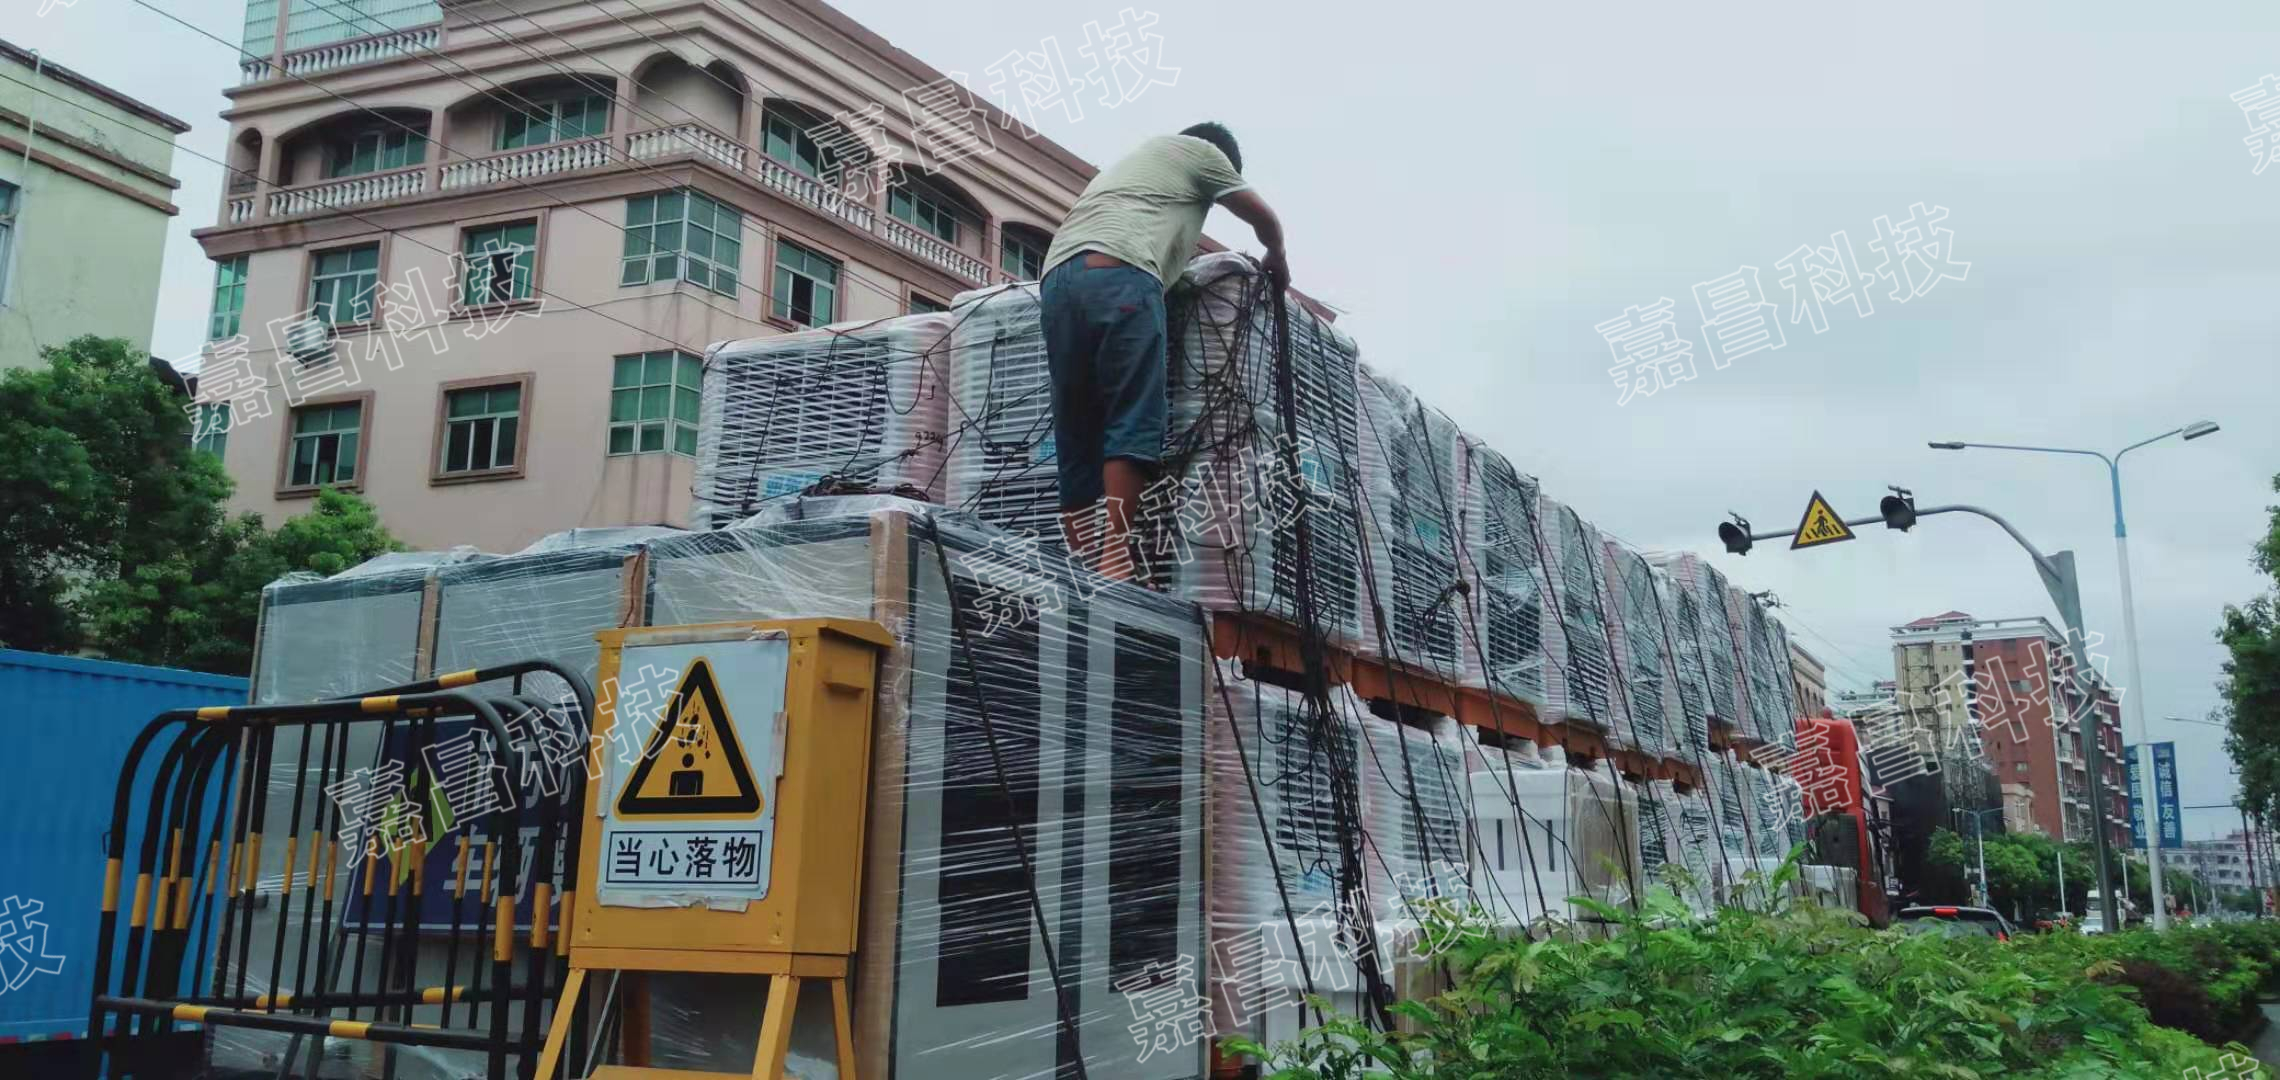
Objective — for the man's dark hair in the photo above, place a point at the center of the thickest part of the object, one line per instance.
(1217, 135)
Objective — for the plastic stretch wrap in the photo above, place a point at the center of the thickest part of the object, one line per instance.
(1261, 739)
(1682, 619)
(1645, 659)
(1581, 687)
(1232, 546)
(1675, 833)
(319, 638)
(1704, 616)
(1767, 663)
(1574, 834)
(1001, 464)
(1414, 779)
(1096, 705)
(1792, 709)
(861, 402)
(1501, 561)
(1408, 487)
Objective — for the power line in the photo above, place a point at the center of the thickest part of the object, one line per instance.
(226, 167)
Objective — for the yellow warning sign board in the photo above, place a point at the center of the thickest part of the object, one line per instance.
(1821, 525)
(694, 767)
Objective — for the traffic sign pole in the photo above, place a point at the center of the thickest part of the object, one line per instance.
(2057, 572)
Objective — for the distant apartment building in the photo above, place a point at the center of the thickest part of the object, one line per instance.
(1997, 677)
(85, 194)
(2223, 863)
(1879, 698)
(1810, 678)
(476, 252)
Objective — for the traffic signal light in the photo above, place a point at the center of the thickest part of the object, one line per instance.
(1899, 509)
(1735, 535)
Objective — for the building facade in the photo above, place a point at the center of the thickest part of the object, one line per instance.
(85, 193)
(2006, 680)
(1810, 678)
(473, 254)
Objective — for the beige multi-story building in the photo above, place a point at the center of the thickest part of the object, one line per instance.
(2004, 679)
(1811, 679)
(86, 193)
(473, 252)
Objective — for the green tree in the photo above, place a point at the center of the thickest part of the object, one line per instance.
(97, 478)
(2250, 706)
(112, 529)
(199, 608)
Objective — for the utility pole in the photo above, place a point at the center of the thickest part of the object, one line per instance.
(1899, 511)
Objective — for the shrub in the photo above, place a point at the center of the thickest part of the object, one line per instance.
(1801, 992)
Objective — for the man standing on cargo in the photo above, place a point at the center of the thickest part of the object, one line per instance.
(1122, 246)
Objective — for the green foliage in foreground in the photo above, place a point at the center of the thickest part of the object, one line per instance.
(1803, 992)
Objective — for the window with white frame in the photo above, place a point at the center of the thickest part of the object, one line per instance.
(807, 285)
(681, 234)
(211, 430)
(342, 283)
(497, 263)
(229, 298)
(326, 441)
(922, 304)
(653, 403)
(560, 119)
(481, 427)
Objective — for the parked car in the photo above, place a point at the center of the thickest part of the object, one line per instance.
(1955, 921)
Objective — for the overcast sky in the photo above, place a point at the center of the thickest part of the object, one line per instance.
(1478, 185)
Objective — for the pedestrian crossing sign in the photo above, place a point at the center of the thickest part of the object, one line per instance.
(1821, 525)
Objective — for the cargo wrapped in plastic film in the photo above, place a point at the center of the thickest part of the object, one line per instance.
(1705, 619)
(1580, 687)
(857, 403)
(1282, 788)
(1644, 657)
(1001, 465)
(1510, 618)
(1095, 704)
(324, 637)
(1571, 833)
(1223, 532)
(1145, 778)
(1409, 501)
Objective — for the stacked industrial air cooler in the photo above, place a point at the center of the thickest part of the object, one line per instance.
(856, 403)
(1411, 608)
(1224, 534)
(1509, 606)
(1001, 463)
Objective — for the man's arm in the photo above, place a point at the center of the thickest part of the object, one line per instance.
(1247, 205)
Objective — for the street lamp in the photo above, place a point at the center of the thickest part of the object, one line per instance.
(2133, 704)
(1979, 829)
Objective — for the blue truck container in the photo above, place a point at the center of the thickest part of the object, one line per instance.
(68, 725)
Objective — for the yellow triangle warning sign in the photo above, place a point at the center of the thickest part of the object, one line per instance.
(693, 766)
(1821, 525)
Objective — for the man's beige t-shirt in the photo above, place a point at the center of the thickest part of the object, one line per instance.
(1148, 209)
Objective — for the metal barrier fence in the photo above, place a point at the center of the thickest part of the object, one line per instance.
(344, 950)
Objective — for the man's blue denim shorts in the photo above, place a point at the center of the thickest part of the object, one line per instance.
(1104, 341)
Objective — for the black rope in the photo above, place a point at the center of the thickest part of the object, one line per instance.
(1014, 832)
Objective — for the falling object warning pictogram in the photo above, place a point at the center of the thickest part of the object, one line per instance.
(693, 766)
(1821, 525)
